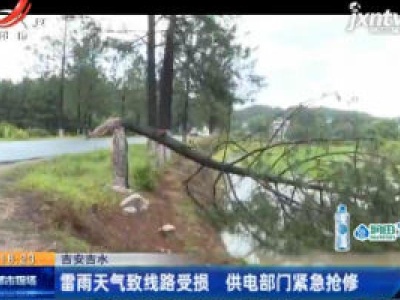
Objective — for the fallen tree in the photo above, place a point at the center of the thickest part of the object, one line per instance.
(161, 136)
(305, 203)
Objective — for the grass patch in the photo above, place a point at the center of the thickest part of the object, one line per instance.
(71, 186)
(11, 132)
(85, 179)
(69, 242)
(144, 175)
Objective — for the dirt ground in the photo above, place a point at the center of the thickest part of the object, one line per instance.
(17, 230)
(111, 230)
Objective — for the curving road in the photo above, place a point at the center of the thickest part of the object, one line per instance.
(13, 151)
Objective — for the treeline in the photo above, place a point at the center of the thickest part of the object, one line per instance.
(316, 122)
(83, 76)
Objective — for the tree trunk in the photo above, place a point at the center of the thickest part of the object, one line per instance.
(185, 112)
(185, 117)
(212, 123)
(151, 75)
(152, 111)
(120, 158)
(61, 101)
(90, 118)
(166, 91)
(79, 106)
(86, 123)
(78, 113)
(138, 118)
(166, 83)
(123, 104)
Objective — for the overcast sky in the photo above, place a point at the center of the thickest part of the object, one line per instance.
(302, 57)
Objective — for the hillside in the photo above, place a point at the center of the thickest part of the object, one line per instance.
(316, 122)
(267, 111)
(256, 111)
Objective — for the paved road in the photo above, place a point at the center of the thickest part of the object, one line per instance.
(12, 151)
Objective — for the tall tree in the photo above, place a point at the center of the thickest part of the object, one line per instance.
(88, 91)
(62, 81)
(127, 71)
(217, 69)
(167, 77)
(152, 111)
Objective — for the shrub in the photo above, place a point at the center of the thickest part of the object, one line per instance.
(144, 176)
(9, 131)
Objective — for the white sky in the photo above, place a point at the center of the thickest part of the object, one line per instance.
(302, 57)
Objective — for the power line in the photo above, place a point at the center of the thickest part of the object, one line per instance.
(144, 36)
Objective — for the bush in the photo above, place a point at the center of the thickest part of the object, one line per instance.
(144, 176)
(9, 131)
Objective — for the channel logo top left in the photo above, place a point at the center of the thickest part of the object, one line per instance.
(16, 15)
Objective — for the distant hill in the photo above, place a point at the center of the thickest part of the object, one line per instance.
(256, 111)
(266, 111)
(316, 122)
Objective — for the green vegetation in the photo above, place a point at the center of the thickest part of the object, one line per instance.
(85, 179)
(375, 178)
(9, 131)
(143, 174)
(70, 243)
(67, 188)
(321, 122)
(106, 76)
(293, 156)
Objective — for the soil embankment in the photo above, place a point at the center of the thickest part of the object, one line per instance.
(109, 229)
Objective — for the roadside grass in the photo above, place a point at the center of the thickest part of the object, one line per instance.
(85, 179)
(70, 243)
(10, 131)
(67, 188)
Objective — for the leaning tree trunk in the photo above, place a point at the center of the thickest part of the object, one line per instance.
(120, 158)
